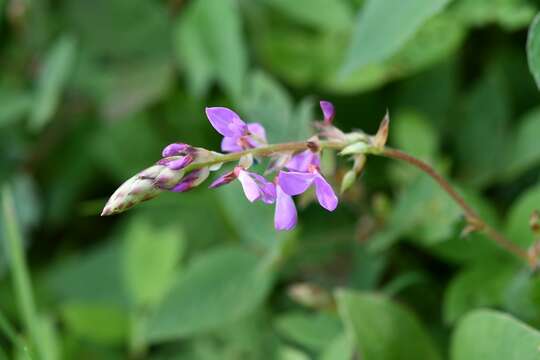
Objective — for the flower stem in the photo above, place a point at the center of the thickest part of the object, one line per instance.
(18, 265)
(474, 220)
(471, 215)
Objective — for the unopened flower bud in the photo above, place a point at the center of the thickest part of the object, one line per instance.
(382, 134)
(356, 148)
(146, 185)
(192, 180)
(348, 179)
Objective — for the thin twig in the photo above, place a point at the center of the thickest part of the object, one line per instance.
(471, 215)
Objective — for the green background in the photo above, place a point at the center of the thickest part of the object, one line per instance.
(91, 91)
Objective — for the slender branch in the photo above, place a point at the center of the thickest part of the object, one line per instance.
(264, 151)
(472, 216)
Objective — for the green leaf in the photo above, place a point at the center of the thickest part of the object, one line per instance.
(481, 285)
(131, 88)
(487, 111)
(533, 49)
(339, 348)
(94, 277)
(517, 224)
(102, 324)
(493, 335)
(150, 257)
(526, 148)
(382, 329)
(424, 210)
(329, 14)
(312, 331)
(219, 287)
(269, 102)
(52, 78)
(210, 44)
(510, 14)
(384, 26)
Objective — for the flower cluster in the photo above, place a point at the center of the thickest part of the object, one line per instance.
(295, 166)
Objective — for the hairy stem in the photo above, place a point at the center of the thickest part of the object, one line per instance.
(472, 216)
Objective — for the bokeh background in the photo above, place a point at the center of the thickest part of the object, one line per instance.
(91, 91)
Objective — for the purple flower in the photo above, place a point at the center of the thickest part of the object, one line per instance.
(328, 111)
(237, 135)
(254, 185)
(304, 161)
(295, 183)
(285, 216)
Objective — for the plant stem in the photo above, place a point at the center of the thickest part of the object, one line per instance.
(264, 151)
(19, 268)
(471, 215)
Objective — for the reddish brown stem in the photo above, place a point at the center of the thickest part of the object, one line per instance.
(471, 215)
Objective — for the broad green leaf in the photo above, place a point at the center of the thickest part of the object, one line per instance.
(411, 132)
(94, 277)
(217, 288)
(340, 347)
(424, 210)
(151, 254)
(487, 111)
(326, 14)
(210, 44)
(383, 330)
(522, 297)
(53, 75)
(526, 148)
(311, 331)
(510, 14)
(103, 324)
(259, 229)
(129, 89)
(268, 102)
(493, 335)
(384, 26)
(517, 224)
(435, 41)
(481, 285)
(119, 153)
(533, 49)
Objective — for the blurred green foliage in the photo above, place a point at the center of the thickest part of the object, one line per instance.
(91, 91)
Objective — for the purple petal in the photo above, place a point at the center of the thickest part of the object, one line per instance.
(192, 180)
(328, 111)
(174, 149)
(230, 144)
(177, 164)
(325, 194)
(226, 122)
(259, 133)
(251, 189)
(267, 189)
(223, 180)
(303, 160)
(285, 215)
(294, 183)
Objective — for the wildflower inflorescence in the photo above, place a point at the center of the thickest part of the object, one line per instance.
(294, 167)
